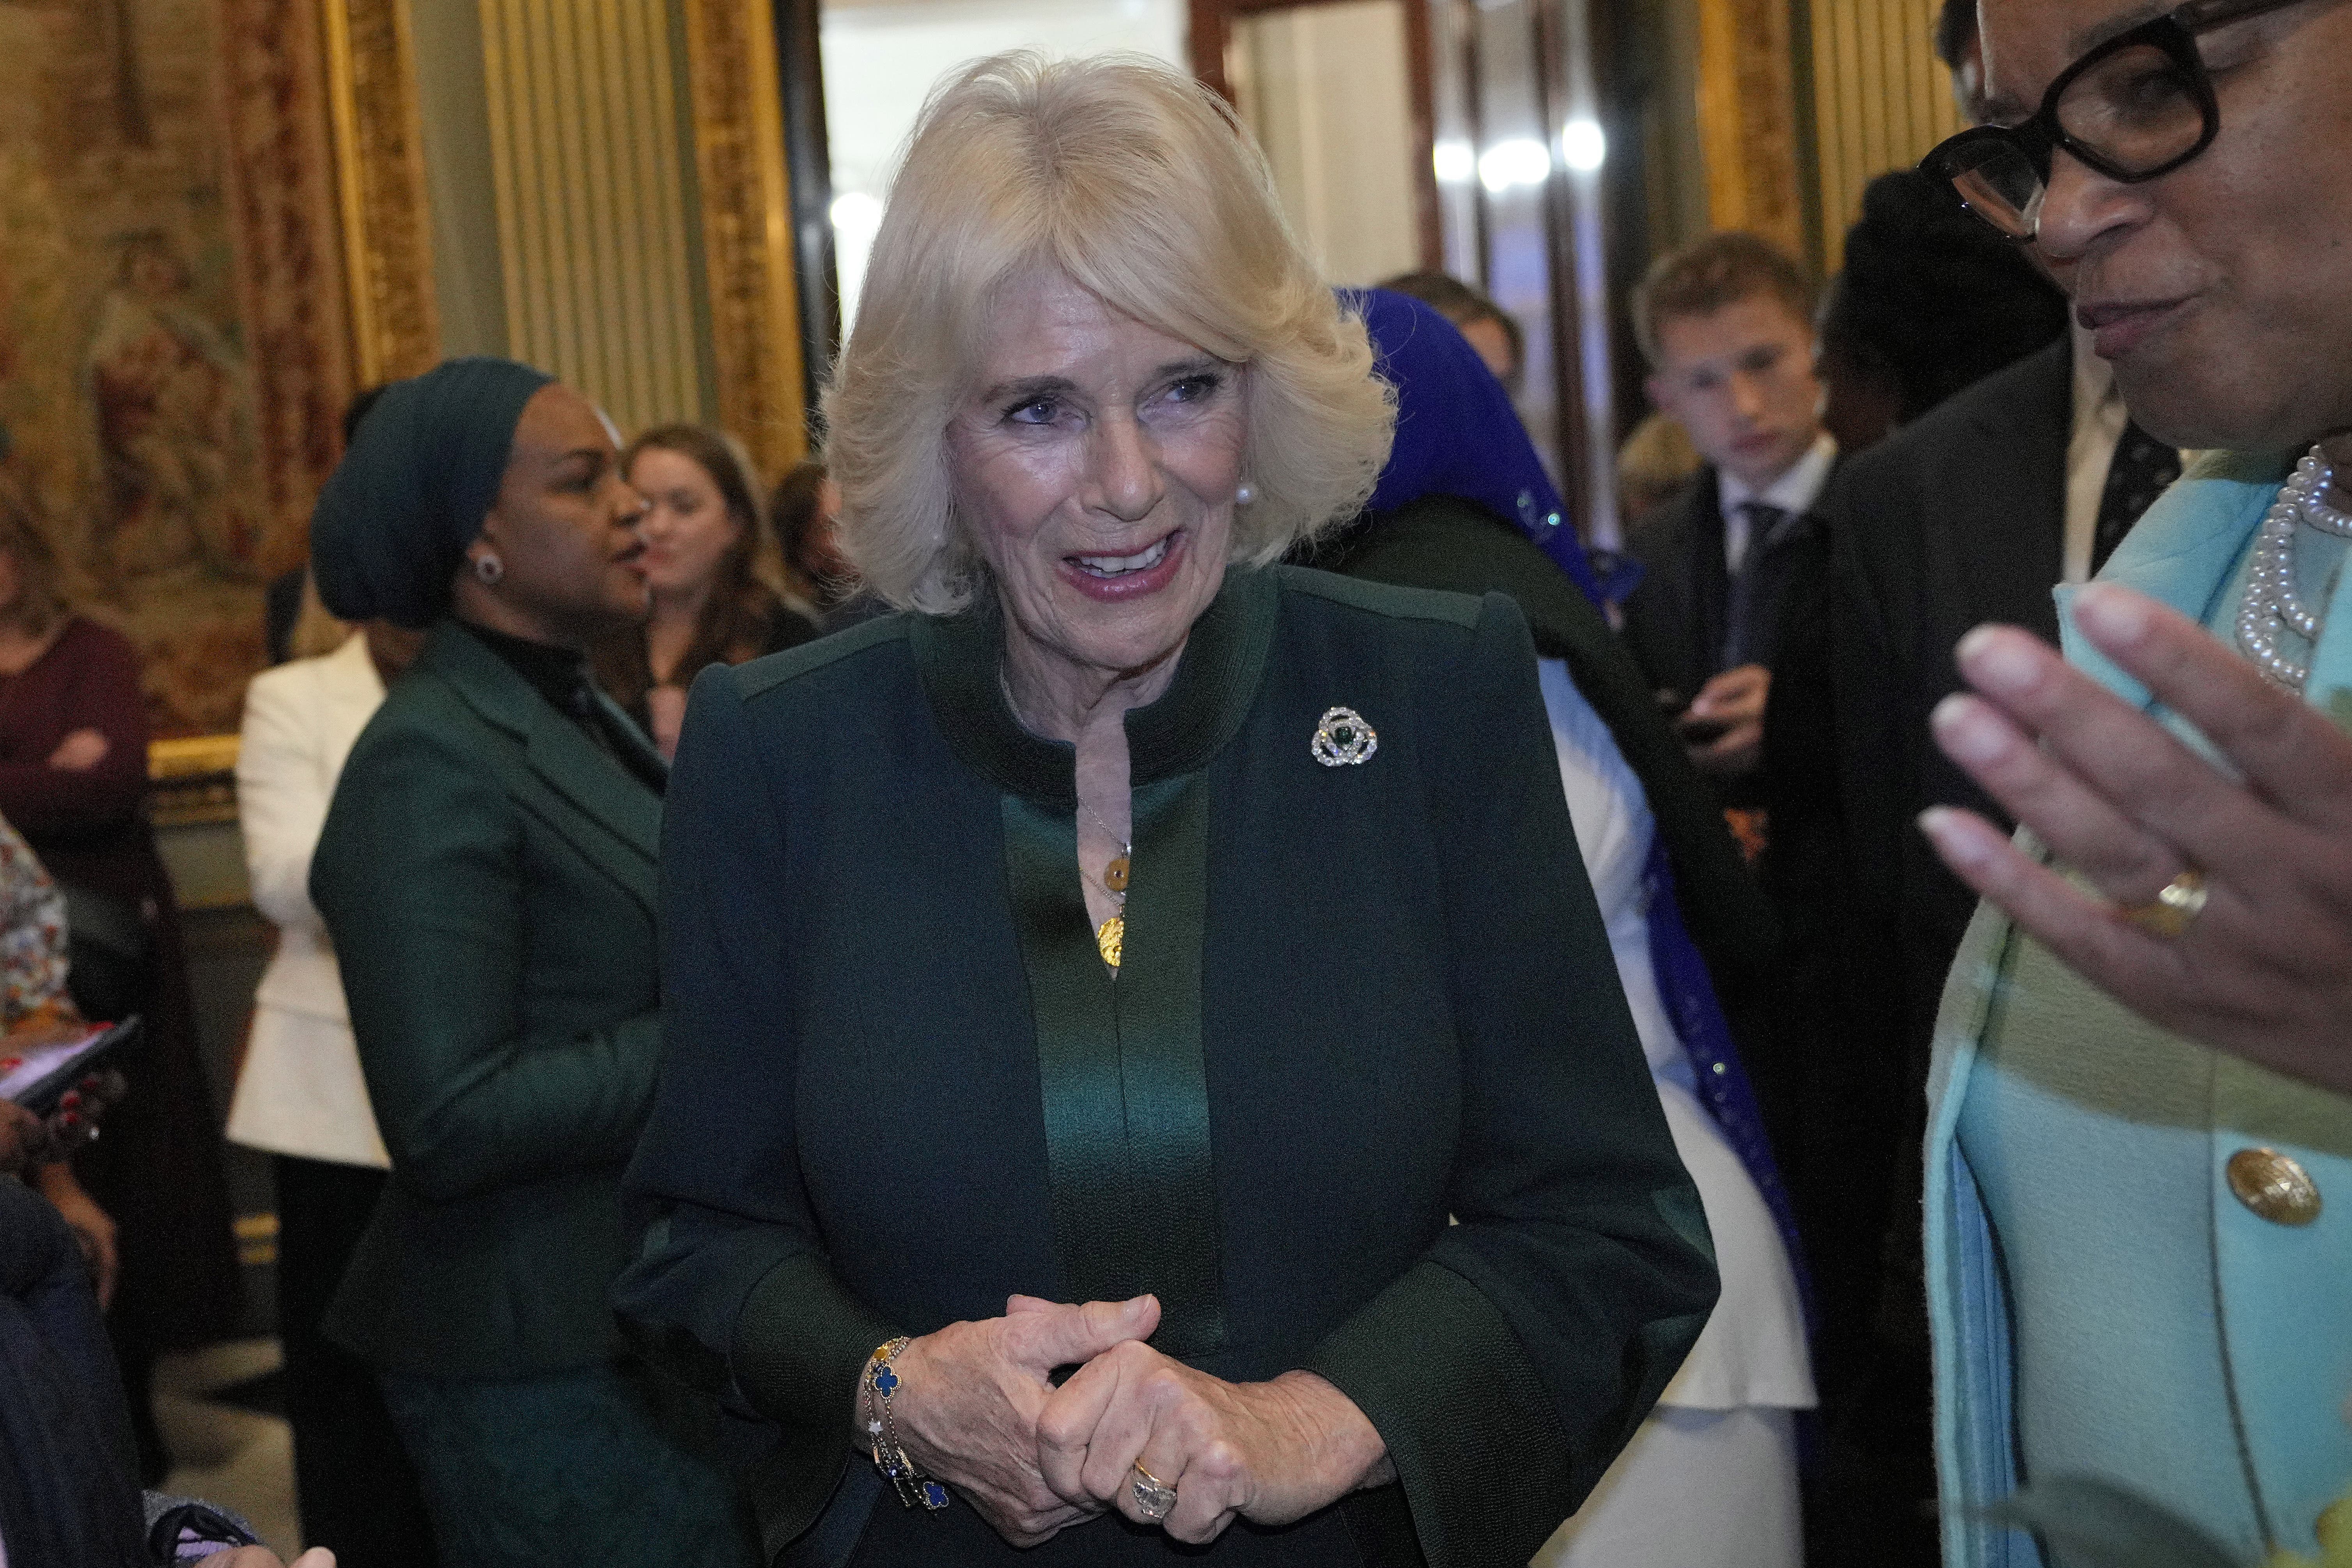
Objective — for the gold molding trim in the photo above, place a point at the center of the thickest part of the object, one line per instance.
(1881, 99)
(1747, 119)
(192, 780)
(380, 179)
(747, 237)
(190, 756)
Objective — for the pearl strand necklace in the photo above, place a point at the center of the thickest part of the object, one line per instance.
(2271, 599)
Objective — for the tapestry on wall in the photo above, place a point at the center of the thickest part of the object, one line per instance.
(172, 353)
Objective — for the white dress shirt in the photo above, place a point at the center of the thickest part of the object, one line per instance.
(1752, 1352)
(1794, 493)
(2099, 419)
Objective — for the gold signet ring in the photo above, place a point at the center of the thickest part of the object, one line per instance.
(2169, 913)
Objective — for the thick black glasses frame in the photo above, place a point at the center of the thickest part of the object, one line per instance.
(2038, 138)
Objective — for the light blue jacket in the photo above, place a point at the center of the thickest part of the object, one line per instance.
(2283, 1294)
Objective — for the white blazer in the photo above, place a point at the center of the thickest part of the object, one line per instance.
(300, 1091)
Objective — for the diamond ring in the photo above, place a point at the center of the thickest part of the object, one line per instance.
(2174, 907)
(1153, 1497)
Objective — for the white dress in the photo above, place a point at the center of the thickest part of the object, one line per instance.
(1710, 1480)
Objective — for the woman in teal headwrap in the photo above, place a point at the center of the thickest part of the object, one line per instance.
(486, 873)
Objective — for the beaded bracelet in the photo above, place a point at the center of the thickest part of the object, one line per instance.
(880, 1381)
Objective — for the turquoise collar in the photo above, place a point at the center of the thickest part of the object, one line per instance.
(2183, 553)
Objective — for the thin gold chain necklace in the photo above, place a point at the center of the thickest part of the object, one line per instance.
(1110, 937)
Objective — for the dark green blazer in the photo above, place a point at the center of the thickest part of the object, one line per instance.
(487, 875)
(900, 1085)
(1446, 542)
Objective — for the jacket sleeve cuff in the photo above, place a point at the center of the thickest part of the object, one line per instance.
(1484, 1459)
(799, 1346)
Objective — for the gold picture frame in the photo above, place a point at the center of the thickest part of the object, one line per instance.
(1747, 119)
(380, 176)
(745, 216)
(747, 228)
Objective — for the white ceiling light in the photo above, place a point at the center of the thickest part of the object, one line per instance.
(1582, 145)
(1522, 161)
(856, 215)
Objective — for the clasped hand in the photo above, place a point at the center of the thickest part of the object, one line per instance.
(976, 1408)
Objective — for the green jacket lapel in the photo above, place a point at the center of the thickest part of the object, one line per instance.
(556, 759)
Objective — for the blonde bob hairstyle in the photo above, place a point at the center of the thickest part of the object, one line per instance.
(1139, 186)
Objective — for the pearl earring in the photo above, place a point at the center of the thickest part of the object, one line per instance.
(1243, 495)
(488, 568)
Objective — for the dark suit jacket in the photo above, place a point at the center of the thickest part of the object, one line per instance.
(1458, 546)
(1678, 616)
(1955, 520)
(1357, 999)
(487, 875)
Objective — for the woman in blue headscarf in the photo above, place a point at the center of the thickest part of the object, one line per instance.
(487, 873)
(1465, 505)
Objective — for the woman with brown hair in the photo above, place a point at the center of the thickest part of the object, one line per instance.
(711, 562)
(73, 774)
(806, 509)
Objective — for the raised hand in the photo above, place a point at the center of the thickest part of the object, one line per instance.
(1271, 1452)
(2265, 970)
(970, 1394)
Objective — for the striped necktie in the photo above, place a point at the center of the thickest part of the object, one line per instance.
(1740, 630)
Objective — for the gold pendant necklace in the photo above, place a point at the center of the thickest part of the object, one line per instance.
(1110, 937)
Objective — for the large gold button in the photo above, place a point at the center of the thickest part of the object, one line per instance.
(2273, 1187)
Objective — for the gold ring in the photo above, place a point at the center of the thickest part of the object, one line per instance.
(1153, 1497)
(2169, 913)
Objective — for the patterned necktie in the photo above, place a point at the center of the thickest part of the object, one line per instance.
(1740, 630)
(2143, 467)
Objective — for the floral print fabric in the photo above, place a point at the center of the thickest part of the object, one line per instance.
(31, 934)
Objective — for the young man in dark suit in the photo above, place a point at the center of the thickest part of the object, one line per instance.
(1726, 325)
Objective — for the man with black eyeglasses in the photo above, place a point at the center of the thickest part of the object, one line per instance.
(2139, 1160)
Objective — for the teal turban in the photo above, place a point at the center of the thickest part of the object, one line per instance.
(423, 468)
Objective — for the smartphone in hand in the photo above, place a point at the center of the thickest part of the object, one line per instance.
(35, 1076)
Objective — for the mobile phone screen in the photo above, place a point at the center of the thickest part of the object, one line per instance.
(35, 1076)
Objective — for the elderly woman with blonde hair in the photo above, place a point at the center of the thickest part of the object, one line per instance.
(1091, 990)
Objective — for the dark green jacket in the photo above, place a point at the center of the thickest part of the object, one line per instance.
(487, 875)
(900, 1085)
(1458, 546)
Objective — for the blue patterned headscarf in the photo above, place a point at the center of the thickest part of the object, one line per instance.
(424, 465)
(1457, 434)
